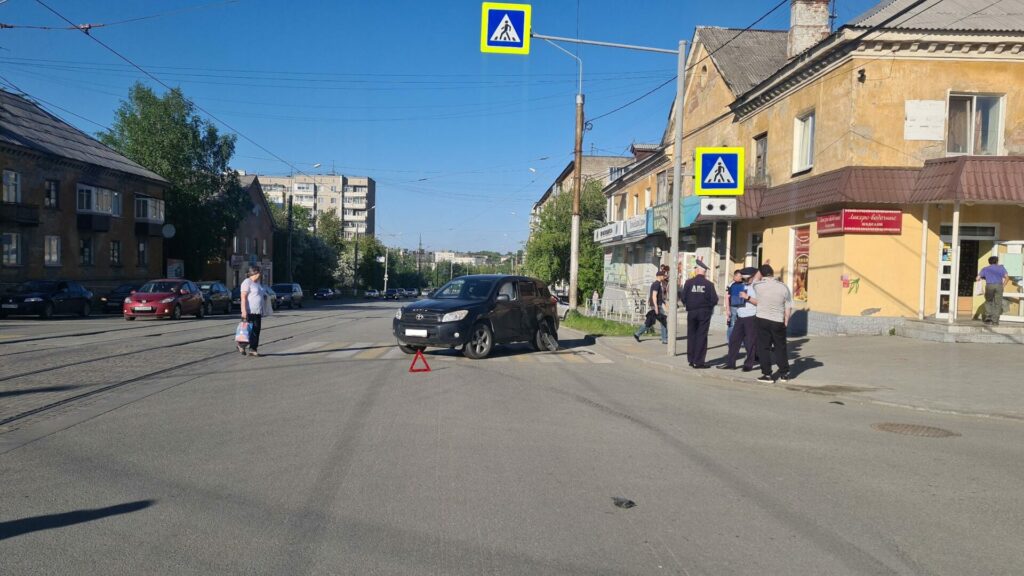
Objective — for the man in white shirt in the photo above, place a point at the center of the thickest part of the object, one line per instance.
(774, 307)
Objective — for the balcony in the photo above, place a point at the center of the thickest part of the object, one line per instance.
(89, 222)
(145, 228)
(18, 213)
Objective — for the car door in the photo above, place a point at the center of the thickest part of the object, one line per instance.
(506, 316)
(62, 300)
(529, 311)
(197, 296)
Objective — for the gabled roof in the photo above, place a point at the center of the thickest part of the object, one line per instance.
(251, 184)
(744, 58)
(25, 124)
(948, 15)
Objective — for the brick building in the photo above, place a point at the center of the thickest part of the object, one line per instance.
(72, 208)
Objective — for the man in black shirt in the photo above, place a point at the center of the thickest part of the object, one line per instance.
(656, 309)
(700, 299)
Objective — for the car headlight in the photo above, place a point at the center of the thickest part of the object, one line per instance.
(455, 316)
(33, 300)
(167, 300)
(398, 315)
(103, 298)
(128, 300)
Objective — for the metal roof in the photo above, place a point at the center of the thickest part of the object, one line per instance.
(950, 15)
(25, 124)
(744, 58)
(994, 180)
(852, 184)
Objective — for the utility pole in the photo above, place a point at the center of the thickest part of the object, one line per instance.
(419, 275)
(290, 239)
(574, 259)
(386, 251)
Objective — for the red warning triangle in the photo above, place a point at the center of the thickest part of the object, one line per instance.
(419, 356)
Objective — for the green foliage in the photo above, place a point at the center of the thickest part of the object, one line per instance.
(206, 201)
(548, 250)
(597, 326)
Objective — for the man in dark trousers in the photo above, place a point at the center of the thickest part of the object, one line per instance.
(700, 299)
(656, 309)
(774, 307)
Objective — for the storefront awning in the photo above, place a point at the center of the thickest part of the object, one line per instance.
(984, 179)
(853, 184)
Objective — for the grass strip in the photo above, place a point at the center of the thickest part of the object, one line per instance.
(597, 326)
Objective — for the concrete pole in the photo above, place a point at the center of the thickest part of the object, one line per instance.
(574, 258)
(954, 282)
(677, 180)
(924, 264)
(728, 254)
(386, 251)
(289, 239)
(714, 252)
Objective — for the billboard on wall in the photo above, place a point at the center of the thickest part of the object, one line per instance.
(801, 262)
(858, 221)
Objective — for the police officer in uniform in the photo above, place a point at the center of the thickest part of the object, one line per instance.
(700, 298)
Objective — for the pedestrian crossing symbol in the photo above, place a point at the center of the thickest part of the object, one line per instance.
(719, 172)
(505, 28)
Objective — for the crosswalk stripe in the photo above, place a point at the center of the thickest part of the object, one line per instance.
(304, 348)
(374, 353)
(394, 353)
(547, 359)
(597, 359)
(571, 358)
(352, 350)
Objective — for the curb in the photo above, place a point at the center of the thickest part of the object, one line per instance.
(807, 388)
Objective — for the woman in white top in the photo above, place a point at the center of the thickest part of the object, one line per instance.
(253, 297)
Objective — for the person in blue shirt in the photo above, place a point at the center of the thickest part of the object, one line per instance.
(995, 277)
(734, 304)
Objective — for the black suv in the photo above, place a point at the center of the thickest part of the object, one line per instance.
(477, 312)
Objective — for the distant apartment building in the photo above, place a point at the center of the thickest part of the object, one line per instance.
(352, 198)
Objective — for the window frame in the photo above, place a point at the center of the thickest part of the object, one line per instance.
(760, 155)
(51, 201)
(11, 180)
(86, 250)
(5, 251)
(971, 144)
(52, 257)
(115, 253)
(803, 141)
(142, 253)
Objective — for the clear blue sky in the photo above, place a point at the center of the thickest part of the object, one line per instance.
(460, 143)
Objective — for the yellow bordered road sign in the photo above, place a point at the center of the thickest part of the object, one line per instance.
(719, 172)
(505, 28)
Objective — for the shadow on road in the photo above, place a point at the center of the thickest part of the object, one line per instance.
(9, 393)
(37, 523)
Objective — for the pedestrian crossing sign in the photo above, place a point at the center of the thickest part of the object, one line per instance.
(719, 172)
(505, 28)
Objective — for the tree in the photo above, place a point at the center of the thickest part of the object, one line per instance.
(328, 227)
(206, 202)
(548, 250)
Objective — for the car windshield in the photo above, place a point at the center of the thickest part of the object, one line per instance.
(465, 289)
(36, 286)
(159, 287)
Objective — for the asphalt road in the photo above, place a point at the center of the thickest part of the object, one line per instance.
(153, 448)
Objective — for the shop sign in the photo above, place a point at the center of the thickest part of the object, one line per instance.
(801, 262)
(609, 232)
(636, 226)
(659, 217)
(857, 221)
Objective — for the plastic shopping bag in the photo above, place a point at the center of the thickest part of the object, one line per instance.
(979, 288)
(242, 332)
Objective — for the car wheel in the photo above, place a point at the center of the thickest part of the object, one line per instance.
(201, 312)
(86, 310)
(176, 313)
(129, 318)
(481, 342)
(208, 309)
(545, 340)
(47, 311)
(410, 349)
(227, 308)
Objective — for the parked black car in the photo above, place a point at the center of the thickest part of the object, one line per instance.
(391, 294)
(44, 298)
(289, 295)
(478, 312)
(323, 294)
(216, 295)
(112, 302)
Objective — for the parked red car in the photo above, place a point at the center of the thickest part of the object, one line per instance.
(166, 298)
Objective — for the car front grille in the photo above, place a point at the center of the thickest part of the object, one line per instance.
(421, 317)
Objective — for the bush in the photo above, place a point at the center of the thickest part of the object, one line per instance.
(597, 326)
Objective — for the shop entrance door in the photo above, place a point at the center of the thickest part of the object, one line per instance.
(976, 244)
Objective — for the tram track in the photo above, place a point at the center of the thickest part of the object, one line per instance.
(332, 322)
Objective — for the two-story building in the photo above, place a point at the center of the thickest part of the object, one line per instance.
(71, 207)
(886, 159)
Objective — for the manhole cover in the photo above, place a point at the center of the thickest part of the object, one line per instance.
(913, 430)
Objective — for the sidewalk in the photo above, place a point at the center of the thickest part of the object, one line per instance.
(970, 379)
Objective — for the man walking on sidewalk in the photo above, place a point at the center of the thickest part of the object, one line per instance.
(700, 299)
(995, 277)
(774, 307)
(656, 310)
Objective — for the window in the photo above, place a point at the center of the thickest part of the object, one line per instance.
(662, 187)
(761, 156)
(115, 252)
(973, 126)
(115, 202)
(803, 142)
(51, 194)
(149, 209)
(12, 186)
(647, 197)
(143, 254)
(636, 204)
(334, 200)
(610, 210)
(527, 289)
(264, 246)
(85, 195)
(245, 244)
(51, 250)
(255, 246)
(85, 255)
(11, 244)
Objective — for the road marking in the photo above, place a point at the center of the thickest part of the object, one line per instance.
(547, 359)
(375, 353)
(394, 353)
(594, 358)
(572, 358)
(304, 348)
(352, 350)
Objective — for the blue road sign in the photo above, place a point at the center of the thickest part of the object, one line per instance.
(505, 28)
(719, 172)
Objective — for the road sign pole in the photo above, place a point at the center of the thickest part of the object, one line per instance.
(677, 179)
(574, 258)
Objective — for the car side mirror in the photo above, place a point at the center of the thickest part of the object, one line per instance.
(504, 298)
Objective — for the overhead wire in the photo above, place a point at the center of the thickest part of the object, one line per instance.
(88, 27)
